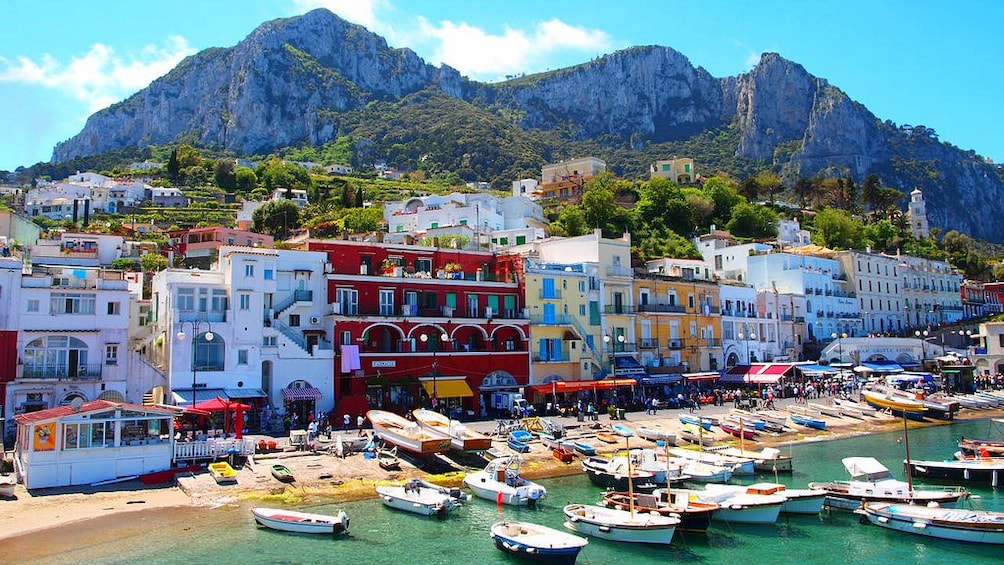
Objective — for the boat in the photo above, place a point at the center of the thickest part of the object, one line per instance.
(606, 437)
(705, 422)
(616, 472)
(301, 522)
(581, 447)
(899, 406)
(408, 435)
(735, 428)
(563, 454)
(850, 405)
(620, 525)
(776, 416)
(387, 458)
(739, 507)
(989, 445)
(767, 460)
(808, 421)
(695, 434)
(534, 542)
(519, 441)
(826, 409)
(976, 526)
(759, 421)
(414, 496)
(739, 465)
(988, 471)
(796, 501)
(871, 481)
(155, 477)
(7, 485)
(223, 473)
(500, 481)
(695, 516)
(664, 469)
(748, 421)
(462, 438)
(655, 433)
(282, 474)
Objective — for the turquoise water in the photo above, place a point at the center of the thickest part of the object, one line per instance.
(383, 536)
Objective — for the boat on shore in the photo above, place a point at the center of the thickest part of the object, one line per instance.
(808, 421)
(223, 473)
(738, 429)
(462, 438)
(620, 525)
(282, 474)
(519, 441)
(871, 481)
(695, 434)
(533, 542)
(705, 422)
(407, 435)
(855, 407)
(301, 522)
(387, 458)
(899, 406)
(976, 526)
(563, 454)
(501, 482)
(607, 437)
(416, 497)
(655, 433)
(9, 482)
(826, 409)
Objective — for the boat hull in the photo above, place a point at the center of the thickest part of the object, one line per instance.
(282, 474)
(618, 525)
(903, 408)
(975, 527)
(808, 422)
(407, 435)
(695, 518)
(969, 471)
(301, 522)
(532, 542)
(803, 504)
(414, 500)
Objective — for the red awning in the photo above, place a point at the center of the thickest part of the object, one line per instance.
(758, 373)
(302, 393)
(776, 369)
(692, 377)
(576, 386)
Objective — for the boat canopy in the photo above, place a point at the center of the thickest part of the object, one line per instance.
(866, 469)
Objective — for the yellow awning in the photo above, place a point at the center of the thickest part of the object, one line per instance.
(454, 388)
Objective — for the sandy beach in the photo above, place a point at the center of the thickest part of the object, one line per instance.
(322, 476)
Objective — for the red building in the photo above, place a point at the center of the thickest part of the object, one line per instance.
(422, 326)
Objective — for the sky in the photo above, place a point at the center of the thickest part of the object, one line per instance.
(917, 62)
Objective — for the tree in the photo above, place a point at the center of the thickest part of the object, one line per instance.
(722, 192)
(837, 229)
(277, 218)
(173, 168)
(870, 192)
(358, 220)
(571, 222)
(752, 220)
(225, 175)
(245, 180)
(123, 264)
(278, 174)
(153, 262)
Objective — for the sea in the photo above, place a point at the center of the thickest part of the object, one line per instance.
(379, 535)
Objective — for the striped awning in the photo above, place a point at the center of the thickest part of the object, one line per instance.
(302, 393)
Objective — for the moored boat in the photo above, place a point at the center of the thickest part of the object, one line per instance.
(739, 465)
(872, 482)
(615, 473)
(977, 526)
(620, 525)
(992, 445)
(462, 438)
(414, 496)
(407, 435)
(501, 481)
(767, 460)
(973, 470)
(534, 542)
(796, 500)
(695, 516)
(740, 507)
(301, 522)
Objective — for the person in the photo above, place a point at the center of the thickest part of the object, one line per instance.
(591, 411)
(654, 405)
(312, 430)
(346, 421)
(359, 421)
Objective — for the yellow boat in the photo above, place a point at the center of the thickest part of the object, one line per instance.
(899, 406)
(222, 472)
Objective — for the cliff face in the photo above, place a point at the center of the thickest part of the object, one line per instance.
(287, 82)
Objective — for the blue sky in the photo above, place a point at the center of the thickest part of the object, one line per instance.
(916, 62)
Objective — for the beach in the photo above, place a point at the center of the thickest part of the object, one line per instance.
(27, 521)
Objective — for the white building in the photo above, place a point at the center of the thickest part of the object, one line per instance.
(932, 292)
(918, 215)
(744, 335)
(988, 355)
(525, 187)
(582, 168)
(78, 249)
(791, 234)
(265, 310)
(728, 259)
(338, 170)
(878, 285)
(784, 311)
(57, 201)
(297, 195)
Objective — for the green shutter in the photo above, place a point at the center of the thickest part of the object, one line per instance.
(594, 313)
(451, 299)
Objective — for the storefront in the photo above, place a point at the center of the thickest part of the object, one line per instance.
(449, 395)
(299, 402)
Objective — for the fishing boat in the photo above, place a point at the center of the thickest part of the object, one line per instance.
(900, 406)
(970, 470)
(695, 516)
(282, 474)
(768, 459)
(301, 522)
(871, 481)
(737, 429)
(606, 437)
(407, 435)
(415, 497)
(739, 465)
(614, 473)
(977, 526)
(7, 485)
(462, 438)
(695, 434)
(739, 507)
(848, 410)
(223, 473)
(705, 422)
(563, 454)
(796, 501)
(533, 542)
(655, 433)
(993, 443)
(808, 421)
(518, 441)
(501, 481)
(620, 525)
(387, 458)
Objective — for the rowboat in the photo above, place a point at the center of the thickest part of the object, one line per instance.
(223, 473)
(534, 542)
(620, 525)
(563, 454)
(704, 422)
(387, 458)
(871, 481)
(282, 474)
(407, 435)
(462, 438)
(739, 430)
(977, 526)
(606, 437)
(825, 409)
(412, 497)
(808, 421)
(850, 408)
(580, 447)
(655, 433)
(694, 434)
(519, 441)
(501, 482)
(301, 522)
(695, 516)
(899, 406)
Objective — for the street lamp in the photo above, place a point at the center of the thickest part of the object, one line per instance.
(840, 350)
(966, 336)
(435, 363)
(745, 339)
(922, 335)
(195, 325)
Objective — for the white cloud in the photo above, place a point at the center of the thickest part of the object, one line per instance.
(99, 77)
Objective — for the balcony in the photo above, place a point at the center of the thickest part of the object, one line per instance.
(618, 309)
(674, 343)
(619, 271)
(649, 343)
(663, 308)
(713, 342)
(62, 372)
(563, 358)
(416, 311)
(551, 294)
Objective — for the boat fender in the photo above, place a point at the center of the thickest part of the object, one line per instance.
(933, 504)
(605, 529)
(531, 550)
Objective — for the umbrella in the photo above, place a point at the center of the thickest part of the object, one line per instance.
(219, 404)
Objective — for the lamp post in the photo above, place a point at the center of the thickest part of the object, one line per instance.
(744, 337)
(840, 350)
(195, 325)
(435, 363)
(922, 336)
(966, 336)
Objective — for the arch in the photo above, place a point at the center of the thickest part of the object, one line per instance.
(518, 329)
(552, 379)
(209, 354)
(731, 359)
(499, 379)
(904, 358)
(55, 356)
(481, 329)
(415, 331)
(399, 331)
(266, 379)
(112, 396)
(876, 357)
(70, 396)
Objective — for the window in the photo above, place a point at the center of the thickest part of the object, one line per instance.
(386, 302)
(463, 222)
(72, 303)
(219, 300)
(690, 300)
(269, 341)
(114, 308)
(186, 300)
(582, 286)
(209, 355)
(244, 300)
(345, 338)
(582, 310)
(294, 320)
(33, 305)
(249, 270)
(269, 274)
(242, 356)
(423, 265)
(112, 354)
(87, 435)
(434, 225)
(520, 239)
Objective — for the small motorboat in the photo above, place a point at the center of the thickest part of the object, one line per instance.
(738, 465)
(282, 474)
(407, 435)
(415, 496)
(387, 458)
(563, 454)
(301, 522)
(977, 526)
(797, 501)
(519, 441)
(871, 481)
(223, 473)
(694, 516)
(898, 405)
(620, 525)
(534, 542)
(614, 474)
(501, 482)
(739, 506)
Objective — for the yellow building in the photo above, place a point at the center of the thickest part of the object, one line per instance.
(678, 316)
(678, 169)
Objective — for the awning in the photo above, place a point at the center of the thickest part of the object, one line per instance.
(669, 379)
(245, 393)
(757, 373)
(576, 386)
(446, 388)
(883, 367)
(184, 395)
(627, 366)
(693, 377)
(302, 393)
(813, 369)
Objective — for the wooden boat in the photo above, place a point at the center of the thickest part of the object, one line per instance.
(301, 522)
(694, 516)
(519, 441)
(607, 437)
(899, 406)
(767, 460)
(749, 422)
(563, 454)
(582, 448)
(808, 421)
(872, 482)
(993, 444)
(734, 428)
(462, 438)
(620, 525)
(977, 526)
(533, 542)
(282, 474)
(739, 507)
(7, 485)
(759, 421)
(972, 470)
(738, 465)
(705, 422)
(501, 482)
(694, 434)
(223, 473)
(616, 472)
(854, 407)
(416, 497)
(796, 501)
(655, 433)
(407, 435)
(665, 470)
(776, 416)
(387, 458)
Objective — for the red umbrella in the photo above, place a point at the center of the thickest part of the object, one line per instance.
(219, 404)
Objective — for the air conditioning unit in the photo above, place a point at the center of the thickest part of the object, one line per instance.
(336, 308)
(315, 321)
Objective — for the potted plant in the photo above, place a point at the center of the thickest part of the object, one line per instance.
(453, 271)
(390, 267)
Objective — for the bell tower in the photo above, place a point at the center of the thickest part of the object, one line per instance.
(918, 215)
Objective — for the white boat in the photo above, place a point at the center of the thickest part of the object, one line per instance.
(977, 526)
(696, 434)
(416, 497)
(664, 470)
(740, 507)
(739, 465)
(871, 481)
(301, 522)
(407, 435)
(856, 406)
(796, 500)
(775, 416)
(615, 472)
(655, 433)
(767, 460)
(826, 409)
(534, 542)
(620, 525)
(501, 482)
(462, 438)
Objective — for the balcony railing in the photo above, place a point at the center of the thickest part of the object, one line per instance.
(713, 342)
(674, 343)
(670, 308)
(405, 346)
(618, 309)
(550, 294)
(563, 358)
(414, 310)
(649, 343)
(62, 372)
(619, 271)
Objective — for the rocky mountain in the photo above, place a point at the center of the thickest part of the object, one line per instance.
(314, 77)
